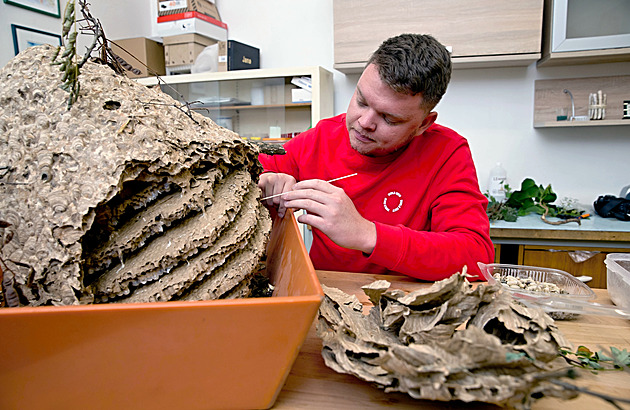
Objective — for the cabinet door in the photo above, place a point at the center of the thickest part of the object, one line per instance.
(579, 27)
(472, 28)
(585, 32)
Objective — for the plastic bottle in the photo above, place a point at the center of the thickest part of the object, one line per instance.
(498, 177)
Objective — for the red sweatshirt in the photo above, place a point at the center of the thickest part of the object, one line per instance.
(425, 201)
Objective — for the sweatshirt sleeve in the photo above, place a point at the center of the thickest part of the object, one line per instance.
(459, 228)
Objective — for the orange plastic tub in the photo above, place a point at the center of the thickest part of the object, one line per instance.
(168, 355)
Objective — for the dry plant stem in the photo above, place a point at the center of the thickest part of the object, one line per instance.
(99, 40)
(544, 217)
(554, 377)
(181, 107)
(610, 399)
(186, 104)
(107, 56)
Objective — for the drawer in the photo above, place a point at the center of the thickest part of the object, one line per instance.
(497, 252)
(560, 258)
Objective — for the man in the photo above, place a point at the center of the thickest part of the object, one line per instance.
(414, 206)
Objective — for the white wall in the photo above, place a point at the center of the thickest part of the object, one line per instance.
(120, 19)
(493, 108)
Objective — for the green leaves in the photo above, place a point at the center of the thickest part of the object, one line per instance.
(514, 357)
(597, 361)
(500, 211)
(530, 196)
(529, 199)
(620, 357)
(68, 19)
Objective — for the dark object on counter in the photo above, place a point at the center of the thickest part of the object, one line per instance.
(269, 148)
(610, 206)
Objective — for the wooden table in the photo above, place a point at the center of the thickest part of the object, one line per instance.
(312, 385)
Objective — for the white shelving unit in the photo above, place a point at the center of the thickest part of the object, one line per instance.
(254, 103)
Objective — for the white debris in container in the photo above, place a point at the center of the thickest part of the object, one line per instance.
(528, 284)
(532, 285)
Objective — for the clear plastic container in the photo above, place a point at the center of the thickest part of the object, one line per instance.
(575, 299)
(571, 286)
(618, 278)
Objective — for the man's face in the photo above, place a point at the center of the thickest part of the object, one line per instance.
(380, 120)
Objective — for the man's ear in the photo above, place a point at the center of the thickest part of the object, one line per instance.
(427, 122)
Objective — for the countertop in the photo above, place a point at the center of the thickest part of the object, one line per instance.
(595, 228)
(312, 385)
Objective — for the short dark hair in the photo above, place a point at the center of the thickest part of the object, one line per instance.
(414, 64)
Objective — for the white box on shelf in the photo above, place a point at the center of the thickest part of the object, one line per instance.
(191, 22)
(303, 82)
(299, 95)
(207, 7)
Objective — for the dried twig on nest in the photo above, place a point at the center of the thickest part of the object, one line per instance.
(68, 62)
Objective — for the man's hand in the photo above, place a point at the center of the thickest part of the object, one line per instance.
(331, 211)
(272, 184)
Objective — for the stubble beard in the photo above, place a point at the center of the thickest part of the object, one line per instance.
(357, 145)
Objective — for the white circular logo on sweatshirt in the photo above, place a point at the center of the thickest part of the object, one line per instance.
(393, 202)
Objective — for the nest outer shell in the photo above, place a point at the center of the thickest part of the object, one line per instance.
(58, 165)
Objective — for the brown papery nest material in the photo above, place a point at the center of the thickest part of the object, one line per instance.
(450, 341)
(125, 197)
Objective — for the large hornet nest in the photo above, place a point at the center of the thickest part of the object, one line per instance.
(125, 197)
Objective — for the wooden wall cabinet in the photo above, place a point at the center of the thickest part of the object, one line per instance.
(590, 32)
(481, 33)
(550, 96)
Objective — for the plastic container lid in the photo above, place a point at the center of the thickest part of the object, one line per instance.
(568, 283)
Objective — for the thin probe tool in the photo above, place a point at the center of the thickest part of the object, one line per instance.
(329, 181)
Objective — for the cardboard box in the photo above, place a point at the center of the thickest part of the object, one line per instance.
(149, 52)
(234, 55)
(191, 22)
(183, 49)
(180, 6)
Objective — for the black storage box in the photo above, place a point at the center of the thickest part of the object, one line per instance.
(234, 55)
